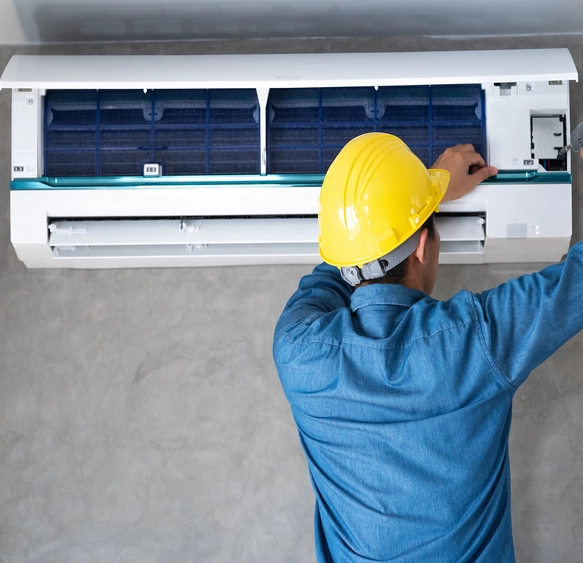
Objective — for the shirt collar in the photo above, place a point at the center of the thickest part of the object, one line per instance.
(385, 294)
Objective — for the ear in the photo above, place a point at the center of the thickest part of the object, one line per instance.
(420, 252)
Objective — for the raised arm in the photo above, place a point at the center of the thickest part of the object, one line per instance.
(527, 319)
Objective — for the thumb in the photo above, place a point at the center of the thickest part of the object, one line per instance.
(484, 173)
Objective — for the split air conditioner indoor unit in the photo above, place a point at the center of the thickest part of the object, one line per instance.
(139, 161)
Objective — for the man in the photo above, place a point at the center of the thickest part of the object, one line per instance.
(403, 402)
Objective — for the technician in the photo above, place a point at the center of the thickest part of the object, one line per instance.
(403, 402)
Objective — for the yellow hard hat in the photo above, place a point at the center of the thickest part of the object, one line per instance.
(375, 196)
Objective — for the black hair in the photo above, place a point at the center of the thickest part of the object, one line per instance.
(398, 274)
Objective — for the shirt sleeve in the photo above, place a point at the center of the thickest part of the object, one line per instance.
(318, 293)
(527, 319)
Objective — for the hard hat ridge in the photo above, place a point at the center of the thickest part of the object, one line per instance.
(375, 196)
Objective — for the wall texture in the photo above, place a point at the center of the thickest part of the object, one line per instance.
(141, 419)
(48, 21)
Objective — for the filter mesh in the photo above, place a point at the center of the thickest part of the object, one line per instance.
(307, 127)
(116, 132)
(198, 132)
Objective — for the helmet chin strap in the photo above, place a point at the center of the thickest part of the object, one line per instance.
(379, 268)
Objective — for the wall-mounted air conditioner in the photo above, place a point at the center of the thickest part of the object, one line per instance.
(138, 161)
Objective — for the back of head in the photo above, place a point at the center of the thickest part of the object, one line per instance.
(375, 197)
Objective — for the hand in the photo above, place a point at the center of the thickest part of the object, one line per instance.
(466, 168)
(581, 153)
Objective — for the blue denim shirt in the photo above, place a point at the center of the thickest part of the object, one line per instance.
(403, 406)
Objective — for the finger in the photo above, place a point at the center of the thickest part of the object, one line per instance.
(474, 160)
(581, 153)
(484, 173)
(465, 147)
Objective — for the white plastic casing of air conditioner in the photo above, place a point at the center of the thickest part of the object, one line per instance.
(232, 221)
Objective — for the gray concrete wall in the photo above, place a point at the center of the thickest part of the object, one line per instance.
(141, 419)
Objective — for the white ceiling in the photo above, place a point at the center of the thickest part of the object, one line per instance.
(49, 21)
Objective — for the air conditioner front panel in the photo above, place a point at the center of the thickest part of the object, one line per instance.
(287, 70)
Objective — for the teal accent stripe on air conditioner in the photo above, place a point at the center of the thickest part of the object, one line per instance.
(530, 177)
(140, 182)
(271, 180)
